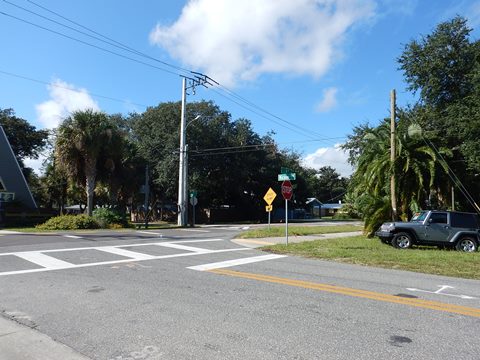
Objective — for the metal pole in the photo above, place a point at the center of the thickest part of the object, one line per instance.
(181, 167)
(147, 191)
(185, 182)
(286, 220)
(269, 220)
(193, 214)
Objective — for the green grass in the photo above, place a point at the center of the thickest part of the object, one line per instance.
(371, 252)
(276, 231)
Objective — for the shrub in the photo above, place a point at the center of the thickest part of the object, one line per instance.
(109, 218)
(69, 222)
(341, 216)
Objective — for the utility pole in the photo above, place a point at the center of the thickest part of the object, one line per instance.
(393, 154)
(453, 198)
(197, 79)
(181, 185)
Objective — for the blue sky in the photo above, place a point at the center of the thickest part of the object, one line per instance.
(313, 69)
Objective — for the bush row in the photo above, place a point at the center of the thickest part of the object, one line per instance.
(102, 218)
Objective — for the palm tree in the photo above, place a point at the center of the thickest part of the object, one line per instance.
(416, 167)
(81, 139)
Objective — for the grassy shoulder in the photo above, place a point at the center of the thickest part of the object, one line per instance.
(295, 230)
(371, 252)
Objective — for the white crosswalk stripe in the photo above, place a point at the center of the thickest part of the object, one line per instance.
(127, 253)
(183, 247)
(230, 263)
(45, 261)
(50, 262)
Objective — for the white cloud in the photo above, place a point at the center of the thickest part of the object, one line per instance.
(35, 164)
(334, 157)
(233, 40)
(329, 100)
(65, 98)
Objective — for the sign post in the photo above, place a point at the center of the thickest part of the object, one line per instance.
(194, 202)
(287, 192)
(269, 197)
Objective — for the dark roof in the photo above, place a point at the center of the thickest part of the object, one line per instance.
(11, 174)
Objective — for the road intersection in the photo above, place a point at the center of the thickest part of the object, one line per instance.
(179, 294)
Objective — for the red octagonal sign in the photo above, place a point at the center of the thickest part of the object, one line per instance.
(287, 190)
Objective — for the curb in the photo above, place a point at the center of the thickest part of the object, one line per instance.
(20, 342)
(259, 242)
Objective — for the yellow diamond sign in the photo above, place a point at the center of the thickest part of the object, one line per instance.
(270, 196)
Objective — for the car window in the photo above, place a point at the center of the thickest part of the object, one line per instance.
(463, 220)
(438, 218)
(420, 216)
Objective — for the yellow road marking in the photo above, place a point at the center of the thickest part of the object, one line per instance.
(433, 305)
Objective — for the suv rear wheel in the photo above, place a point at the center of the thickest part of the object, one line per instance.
(467, 244)
(402, 240)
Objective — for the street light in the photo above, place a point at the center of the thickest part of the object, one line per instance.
(182, 219)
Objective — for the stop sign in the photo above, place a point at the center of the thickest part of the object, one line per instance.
(287, 190)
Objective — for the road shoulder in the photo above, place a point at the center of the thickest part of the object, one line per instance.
(20, 342)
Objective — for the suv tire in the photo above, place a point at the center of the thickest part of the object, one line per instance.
(467, 244)
(402, 240)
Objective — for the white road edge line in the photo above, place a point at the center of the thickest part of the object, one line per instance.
(72, 236)
(195, 230)
(150, 233)
(230, 263)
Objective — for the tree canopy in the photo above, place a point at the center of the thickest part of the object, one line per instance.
(81, 141)
(24, 139)
(436, 138)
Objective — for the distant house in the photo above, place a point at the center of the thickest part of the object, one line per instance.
(331, 209)
(13, 186)
(316, 209)
(313, 206)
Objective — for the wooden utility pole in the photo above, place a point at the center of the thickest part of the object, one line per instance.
(393, 154)
(453, 198)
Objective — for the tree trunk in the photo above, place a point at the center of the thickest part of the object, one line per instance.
(90, 175)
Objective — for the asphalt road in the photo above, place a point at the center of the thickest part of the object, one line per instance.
(183, 294)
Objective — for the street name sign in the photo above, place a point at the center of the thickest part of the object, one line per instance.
(288, 176)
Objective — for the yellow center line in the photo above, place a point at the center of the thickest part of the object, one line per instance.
(426, 304)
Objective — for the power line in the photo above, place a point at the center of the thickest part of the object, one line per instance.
(291, 128)
(234, 147)
(108, 40)
(226, 152)
(451, 174)
(87, 43)
(230, 95)
(70, 89)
